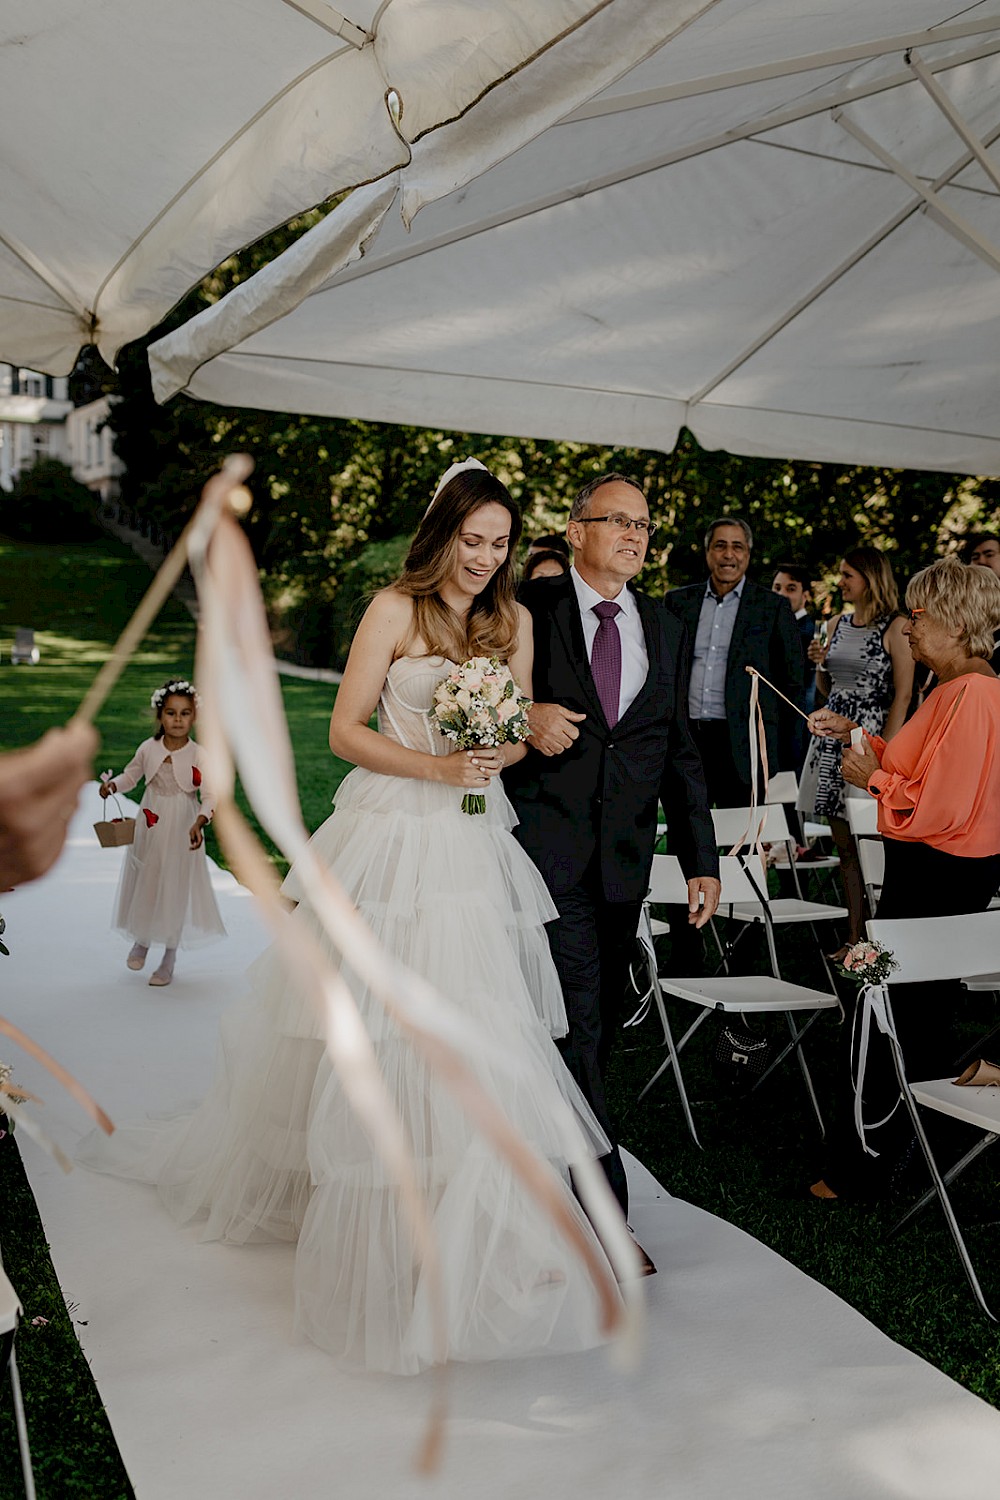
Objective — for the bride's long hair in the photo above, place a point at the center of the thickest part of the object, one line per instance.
(492, 624)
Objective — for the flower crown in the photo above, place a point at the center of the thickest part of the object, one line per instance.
(181, 686)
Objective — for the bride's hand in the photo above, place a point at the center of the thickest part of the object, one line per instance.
(472, 770)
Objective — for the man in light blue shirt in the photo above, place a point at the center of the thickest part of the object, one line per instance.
(732, 624)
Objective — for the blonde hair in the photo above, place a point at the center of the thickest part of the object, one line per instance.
(492, 625)
(876, 570)
(963, 599)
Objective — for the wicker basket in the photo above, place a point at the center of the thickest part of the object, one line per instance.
(112, 833)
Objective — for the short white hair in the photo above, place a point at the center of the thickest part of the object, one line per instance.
(963, 599)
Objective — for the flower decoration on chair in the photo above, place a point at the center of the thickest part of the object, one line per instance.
(10, 1093)
(867, 962)
(479, 705)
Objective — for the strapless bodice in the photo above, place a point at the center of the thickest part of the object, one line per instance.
(407, 695)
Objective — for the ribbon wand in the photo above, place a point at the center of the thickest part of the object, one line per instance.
(857, 733)
(752, 672)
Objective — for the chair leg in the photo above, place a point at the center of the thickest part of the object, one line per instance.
(667, 1061)
(21, 1427)
(939, 1187)
(804, 1068)
(672, 1058)
(947, 1178)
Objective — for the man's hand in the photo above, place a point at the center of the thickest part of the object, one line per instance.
(553, 728)
(38, 789)
(703, 899)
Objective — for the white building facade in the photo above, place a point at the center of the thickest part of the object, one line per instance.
(38, 420)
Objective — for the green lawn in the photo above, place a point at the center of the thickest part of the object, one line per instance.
(77, 599)
(758, 1152)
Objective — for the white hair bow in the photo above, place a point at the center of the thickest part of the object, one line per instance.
(449, 474)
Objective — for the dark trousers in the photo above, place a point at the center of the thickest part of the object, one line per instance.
(727, 787)
(592, 944)
(919, 882)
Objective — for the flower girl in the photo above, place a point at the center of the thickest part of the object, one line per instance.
(165, 894)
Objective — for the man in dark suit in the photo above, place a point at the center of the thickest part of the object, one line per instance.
(732, 624)
(609, 740)
(792, 581)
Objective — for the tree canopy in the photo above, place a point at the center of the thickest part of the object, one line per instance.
(336, 501)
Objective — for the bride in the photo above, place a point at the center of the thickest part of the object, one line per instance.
(275, 1151)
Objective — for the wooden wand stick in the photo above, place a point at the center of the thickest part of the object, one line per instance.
(752, 672)
(235, 469)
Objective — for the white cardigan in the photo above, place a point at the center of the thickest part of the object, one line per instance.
(148, 759)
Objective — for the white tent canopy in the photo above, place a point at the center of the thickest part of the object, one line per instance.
(781, 229)
(145, 142)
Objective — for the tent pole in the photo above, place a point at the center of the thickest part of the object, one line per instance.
(955, 119)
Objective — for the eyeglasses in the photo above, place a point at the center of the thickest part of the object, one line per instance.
(620, 523)
(914, 614)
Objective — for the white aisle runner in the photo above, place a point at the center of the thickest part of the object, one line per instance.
(756, 1382)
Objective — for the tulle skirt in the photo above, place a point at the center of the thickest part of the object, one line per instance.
(164, 892)
(276, 1151)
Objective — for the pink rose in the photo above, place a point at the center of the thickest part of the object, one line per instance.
(848, 960)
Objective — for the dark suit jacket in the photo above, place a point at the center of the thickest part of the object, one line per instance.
(765, 636)
(600, 796)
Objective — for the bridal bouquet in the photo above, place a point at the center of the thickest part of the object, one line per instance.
(480, 704)
(867, 962)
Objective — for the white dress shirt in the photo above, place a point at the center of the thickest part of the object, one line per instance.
(635, 659)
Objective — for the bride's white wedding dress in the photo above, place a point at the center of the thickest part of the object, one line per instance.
(276, 1152)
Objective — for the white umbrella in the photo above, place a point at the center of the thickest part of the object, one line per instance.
(781, 229)
(144, 142)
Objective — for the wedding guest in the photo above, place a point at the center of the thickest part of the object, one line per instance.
(609, 740)
(544, 564)
(937, 784)
(983, 551)
(866, 672)
(793, 583)
(38, 796)
(549, 541)
(731, 624)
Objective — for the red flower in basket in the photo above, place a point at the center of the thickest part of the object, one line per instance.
(195, 776)
(151, 817)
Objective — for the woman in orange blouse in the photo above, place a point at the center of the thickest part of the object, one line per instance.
(938, 790)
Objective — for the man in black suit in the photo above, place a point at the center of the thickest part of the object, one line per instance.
(793, 582)
(732, 624)
(609, 740)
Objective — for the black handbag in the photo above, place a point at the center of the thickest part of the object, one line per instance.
(741, 1054)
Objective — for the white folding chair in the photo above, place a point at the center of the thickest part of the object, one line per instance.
(10, 1311)
(730, 828)
(24, 652)
(938, 948)
(746, 995)
(862, 820)
(783, 786)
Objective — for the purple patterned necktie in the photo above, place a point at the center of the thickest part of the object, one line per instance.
(606, 659)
